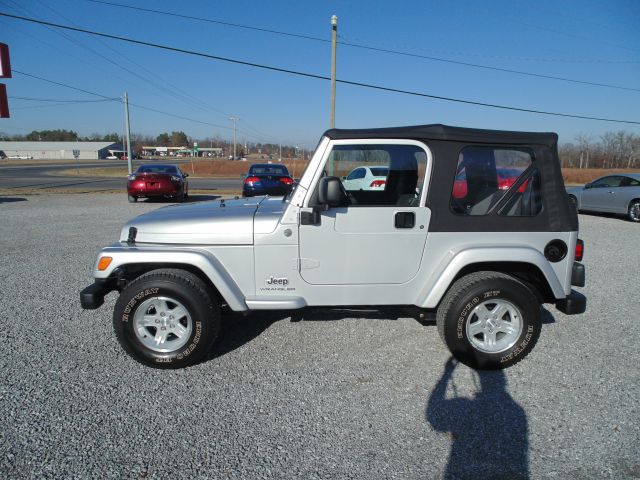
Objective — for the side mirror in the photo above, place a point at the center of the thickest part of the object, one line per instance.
(587, 185)
(185, 174)
(331, 193)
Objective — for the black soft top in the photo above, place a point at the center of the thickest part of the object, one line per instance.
(447, 133)
(446, 143)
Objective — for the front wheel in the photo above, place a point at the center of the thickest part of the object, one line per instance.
(634, 211)
(132, 199)
(167, 319)
(489, 320)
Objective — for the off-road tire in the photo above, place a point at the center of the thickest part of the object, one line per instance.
(159, 293)
(459, 318)
(633, 213)
(132, 199)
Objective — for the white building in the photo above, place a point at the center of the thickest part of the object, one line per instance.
(58, 150)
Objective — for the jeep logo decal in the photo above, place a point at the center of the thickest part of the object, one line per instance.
(278, 281)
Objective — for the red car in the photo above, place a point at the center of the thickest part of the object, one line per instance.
(166, 181)
(506, 178)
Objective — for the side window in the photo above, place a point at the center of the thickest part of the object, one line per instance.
(613, 181)
(484, 175)
(631, 182)
(379, 174)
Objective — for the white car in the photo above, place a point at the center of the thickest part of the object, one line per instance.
(21, 157)
(366, 178)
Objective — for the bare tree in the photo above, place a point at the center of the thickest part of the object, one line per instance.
(584, 142)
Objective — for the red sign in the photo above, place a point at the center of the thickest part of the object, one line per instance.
(4, 104)
(5, 64)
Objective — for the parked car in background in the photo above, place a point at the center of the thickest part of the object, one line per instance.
(618, 194)
(267, 179)
(366, 178)
(505, 178)
(164, 181)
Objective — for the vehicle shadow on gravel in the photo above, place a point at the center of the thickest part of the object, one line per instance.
(488, 432)
(237, 329)
(12, 199)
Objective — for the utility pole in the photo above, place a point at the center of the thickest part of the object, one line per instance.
(234, 120)
(128, 132)
(334, 35)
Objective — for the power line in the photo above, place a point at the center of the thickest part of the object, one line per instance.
(59, 100)
(143, 107)
(321, 77)
(65, 85)
(309, 37)
(208, 20)
(58, 104)
(374, 49)
(148, 80)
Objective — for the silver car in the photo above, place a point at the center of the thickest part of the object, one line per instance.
(610, 194)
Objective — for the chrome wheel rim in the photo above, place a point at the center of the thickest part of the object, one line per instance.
(162, 324)
(634, 211)
(494, 326)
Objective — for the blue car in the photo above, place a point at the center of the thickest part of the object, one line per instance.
(267, 179)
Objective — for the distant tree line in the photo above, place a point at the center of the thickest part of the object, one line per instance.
(165, 139)
(611, 150)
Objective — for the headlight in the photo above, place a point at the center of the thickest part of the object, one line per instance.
(131, 177)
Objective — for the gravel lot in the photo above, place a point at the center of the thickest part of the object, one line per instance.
(326, 394)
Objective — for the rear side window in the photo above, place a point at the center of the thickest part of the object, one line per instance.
(484, 175)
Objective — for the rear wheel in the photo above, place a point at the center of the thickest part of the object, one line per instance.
(634, 211)
(489, 320)
(167, 319)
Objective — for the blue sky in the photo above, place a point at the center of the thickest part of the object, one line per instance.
(596, 41)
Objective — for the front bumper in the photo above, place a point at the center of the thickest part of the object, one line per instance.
(93, 296)
(574, 304)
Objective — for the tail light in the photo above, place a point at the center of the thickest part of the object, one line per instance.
(377, 183)
(579, 250)
(251, 180)
(286, 180)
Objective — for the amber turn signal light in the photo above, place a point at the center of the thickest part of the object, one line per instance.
(104, 263)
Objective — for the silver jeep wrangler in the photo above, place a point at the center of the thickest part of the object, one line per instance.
(473, 226)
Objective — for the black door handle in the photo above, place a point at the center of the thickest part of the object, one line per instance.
(405, 220)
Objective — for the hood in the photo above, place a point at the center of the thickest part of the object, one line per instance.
(229, 222)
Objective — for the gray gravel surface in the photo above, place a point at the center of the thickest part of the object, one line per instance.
(325, 394)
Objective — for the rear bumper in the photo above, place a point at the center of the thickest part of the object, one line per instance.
(574, 304)
(93, 296)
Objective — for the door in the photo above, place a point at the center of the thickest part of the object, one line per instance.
(379, 237)
(601, 196)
